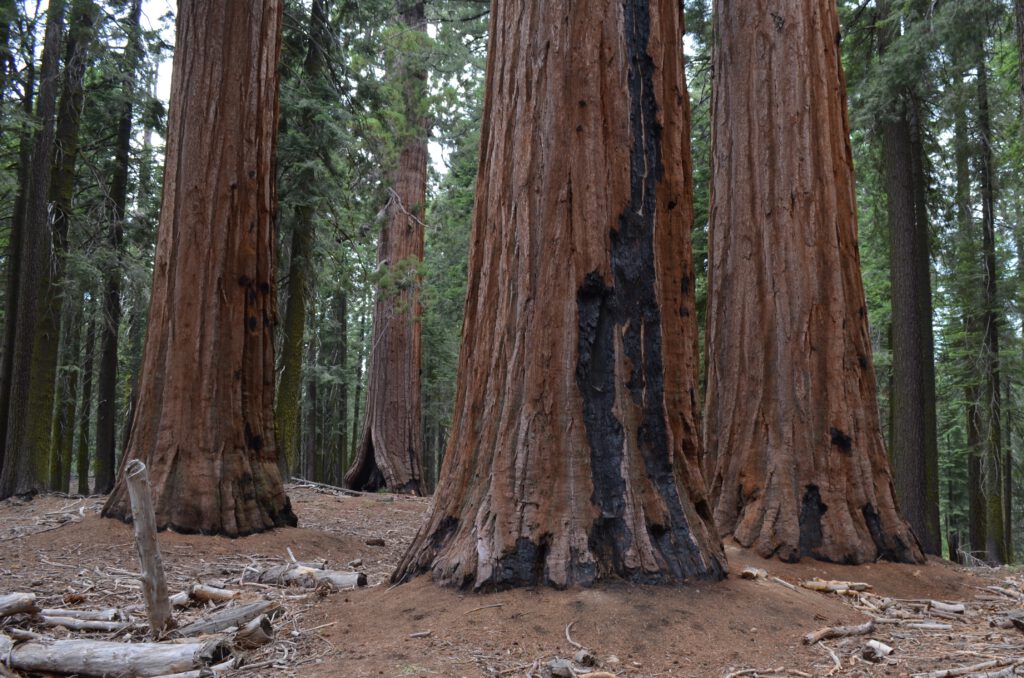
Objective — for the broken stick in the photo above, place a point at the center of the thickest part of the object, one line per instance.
(154, 585)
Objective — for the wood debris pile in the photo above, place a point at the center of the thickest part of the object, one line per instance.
(216, 626)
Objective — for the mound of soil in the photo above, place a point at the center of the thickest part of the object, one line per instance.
(59, 548)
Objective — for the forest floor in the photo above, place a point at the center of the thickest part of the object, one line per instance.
(59, 548)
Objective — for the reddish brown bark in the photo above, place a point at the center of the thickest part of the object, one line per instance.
(575, 444)
(793, 434)
(204, 423)
(391, 444)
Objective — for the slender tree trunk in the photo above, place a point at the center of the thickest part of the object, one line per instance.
(1018, 8)
(976, 522)
(14, 258)
(995, 543)
(793, 430)
(25, 466)
(914, 441)
(390, 451)
(204, 425)
(106, 408)
(357, 399)
(341, 362)
(44, 389)
(85, 409)
(575, 447)
(63, 435)
(311, 469)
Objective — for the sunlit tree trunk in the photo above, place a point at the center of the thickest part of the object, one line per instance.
(575, 446)
(793, 431)
(204, 423)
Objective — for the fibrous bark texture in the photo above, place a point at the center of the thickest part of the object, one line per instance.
(204, 423)
(793, 434)
(574, 451)
(915, 455)
(25, 464)
(391, 444)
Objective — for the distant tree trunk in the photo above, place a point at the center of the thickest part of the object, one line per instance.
(340, 445)
(8, 14)
(914, 439)
(995, 543)
(44, 389)
(976, 523)
(358, 396)
(793, 430)
(85, 409)
(204, 423)
(575, 447)
(391, 446)
(25, 468)
(311, 469)
(63, 435)
(106, 408)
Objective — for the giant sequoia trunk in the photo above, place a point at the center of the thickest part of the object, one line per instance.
(204, 423)
(793, 433)
(391, 444)
(574, 449)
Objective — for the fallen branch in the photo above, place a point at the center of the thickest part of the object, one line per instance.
(966, 670)
(111, 614)
(307, 577)
(105, 658)
(205, 672)
(834, 586)
(568, 627)
(839, 632)
(74, 624)
(18, 603)
(201, 593)
(232, 616)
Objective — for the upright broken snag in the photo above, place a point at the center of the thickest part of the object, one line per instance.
(154, 584)
(575, 444)
(792, 429)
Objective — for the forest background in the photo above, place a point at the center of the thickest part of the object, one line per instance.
(944, 77)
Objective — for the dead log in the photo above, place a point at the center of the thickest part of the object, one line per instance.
(307, 577)
(106, 658)
(18, 603)
(949, 608)
(875, 651)
(111, 614)
(224, 619)
(256, 633)
(154, 585)
(839, 632)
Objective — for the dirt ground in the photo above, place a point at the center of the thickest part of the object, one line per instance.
(59, 548)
